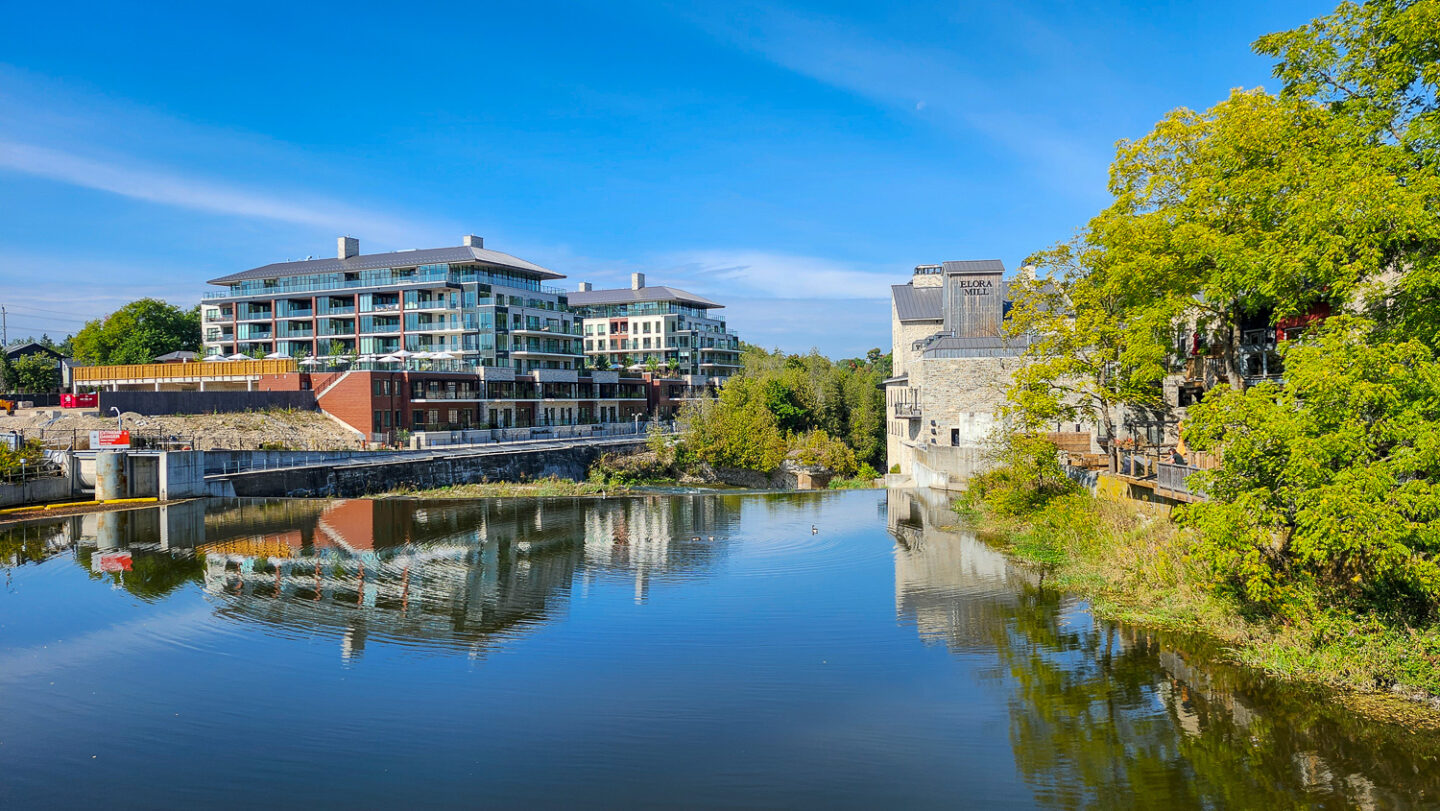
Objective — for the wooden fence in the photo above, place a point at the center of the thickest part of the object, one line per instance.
(192, 370)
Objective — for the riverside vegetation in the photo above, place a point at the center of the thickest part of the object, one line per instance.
(806, 410)
(1317, 552)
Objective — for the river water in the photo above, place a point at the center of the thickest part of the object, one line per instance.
(665, 650)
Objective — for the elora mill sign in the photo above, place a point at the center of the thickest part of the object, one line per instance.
(975, 287)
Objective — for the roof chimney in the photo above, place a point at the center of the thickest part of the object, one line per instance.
(346, 247)
(637, 281)
(472, 241)
(585, 287)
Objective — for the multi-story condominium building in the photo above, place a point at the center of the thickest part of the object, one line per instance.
(627, 328)
(952, 365)
(483, 307)
(440, 339)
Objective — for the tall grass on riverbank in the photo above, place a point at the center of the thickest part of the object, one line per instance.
(1141, 568)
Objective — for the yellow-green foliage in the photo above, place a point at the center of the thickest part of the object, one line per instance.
(1026, 475)
(737, 430)
(823, 412)
(778, 401)
(1333, 478)
(27, 457)
(817, 448)
(1141, 568)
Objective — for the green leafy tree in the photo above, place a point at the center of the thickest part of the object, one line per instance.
(1333, 478)
(1080, 362)
(652, 364)
(599, 362)
(1373, 62)
(33, 373)
(138, 333)
(673, 366)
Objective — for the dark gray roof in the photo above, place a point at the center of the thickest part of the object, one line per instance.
(975, 266)
(916, 303)
(398, 259)
(942, 345)
(182, 354)
(15, 351)
(627, 295)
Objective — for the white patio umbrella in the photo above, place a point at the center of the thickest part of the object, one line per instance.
(215, 357)
(239, 356)
(339, 359)
(387, 359)
(402, 354)
(442, 356)
(277, 356)
(311, 362)
(422, 356)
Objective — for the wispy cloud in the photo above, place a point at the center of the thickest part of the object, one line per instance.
(56, 294)
(131, 178)
(777, 275)
(787, 301)
(910, 79)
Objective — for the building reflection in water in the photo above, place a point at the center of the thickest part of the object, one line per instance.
(949, 584)
(1111, 716)
(458, 575)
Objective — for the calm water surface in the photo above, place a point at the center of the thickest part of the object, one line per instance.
(696, 650)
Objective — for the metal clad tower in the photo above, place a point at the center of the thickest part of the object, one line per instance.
(974, 298)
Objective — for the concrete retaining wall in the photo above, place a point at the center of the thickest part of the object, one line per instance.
(358, 478)
(37, 491)
(158, 403)
(223, 461)
(181, 474)
(946, 467)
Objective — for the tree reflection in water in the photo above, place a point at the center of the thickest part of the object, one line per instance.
(1102, 715)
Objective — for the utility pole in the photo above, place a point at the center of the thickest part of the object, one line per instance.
(4, 329)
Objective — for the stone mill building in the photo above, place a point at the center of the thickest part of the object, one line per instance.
(952, 366)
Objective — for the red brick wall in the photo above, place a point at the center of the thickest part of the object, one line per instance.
(286, 382)
(351, 401)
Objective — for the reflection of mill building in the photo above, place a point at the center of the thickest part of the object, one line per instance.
(951, 585)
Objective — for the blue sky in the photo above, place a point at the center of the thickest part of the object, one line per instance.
(790, 160)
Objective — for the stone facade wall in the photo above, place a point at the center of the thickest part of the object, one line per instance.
(958, 397)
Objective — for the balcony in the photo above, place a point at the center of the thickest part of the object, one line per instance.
(907, 411)
(555, 353)
(371, 278)
(464, 394)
